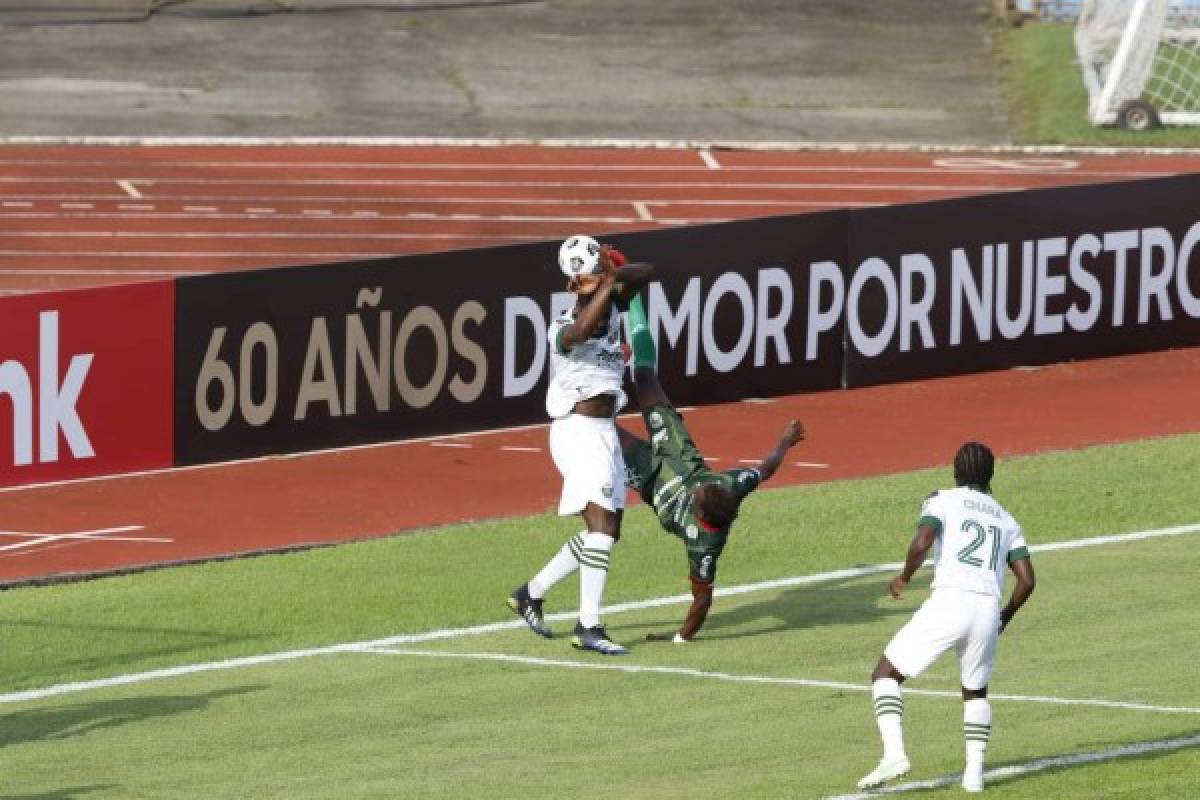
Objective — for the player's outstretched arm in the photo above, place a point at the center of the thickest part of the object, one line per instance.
(698, 612)
(793, 433)
(1026, 582)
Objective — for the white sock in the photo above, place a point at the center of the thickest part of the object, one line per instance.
(977, 729)
(889, 716)
(593, 573)
(565, 562)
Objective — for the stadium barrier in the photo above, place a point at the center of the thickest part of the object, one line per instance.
(85, 382)
(233, 365)
(1022, 278)
(311, 357)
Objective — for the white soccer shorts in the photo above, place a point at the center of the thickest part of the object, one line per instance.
(588, 455)
(967, 621)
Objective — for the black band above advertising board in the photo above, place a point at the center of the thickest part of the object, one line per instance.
(1021, 278)
(303, 358)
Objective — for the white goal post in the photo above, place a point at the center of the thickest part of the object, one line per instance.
(1140, 61)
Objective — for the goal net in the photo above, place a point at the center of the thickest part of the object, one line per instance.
(1140, 61)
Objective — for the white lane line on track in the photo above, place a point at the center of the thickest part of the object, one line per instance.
(451, 444)
(127, 186)
(188, 235)
(505, 201)
(29, 539)
(515, 449)
(1036, 765)
(348, 216)
(141, 273)
(514, 624)
(770, 680)
(803, 464)
(244, 254)
(566, 185)
(643, 211)
(1037, 165)
(149, 473)
(964, 165)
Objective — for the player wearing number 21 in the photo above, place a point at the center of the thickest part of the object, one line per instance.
(975, 542)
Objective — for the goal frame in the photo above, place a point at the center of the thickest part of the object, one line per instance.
(1103, 105)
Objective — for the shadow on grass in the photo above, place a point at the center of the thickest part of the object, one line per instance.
(838, 603)
(109, 646)
(80, 719)
(69, 793)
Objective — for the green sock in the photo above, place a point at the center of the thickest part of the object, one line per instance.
(645, 354)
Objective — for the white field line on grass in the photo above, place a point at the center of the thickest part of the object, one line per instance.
(1036, 765)
(611, 666)
(494, 627)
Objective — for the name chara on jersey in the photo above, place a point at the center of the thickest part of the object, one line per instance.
(968, 554)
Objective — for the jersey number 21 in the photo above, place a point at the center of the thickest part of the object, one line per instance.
(967, 554)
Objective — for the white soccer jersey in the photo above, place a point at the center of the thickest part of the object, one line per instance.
(977, 540)
(592, 367)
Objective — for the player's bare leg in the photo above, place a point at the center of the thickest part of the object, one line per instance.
(647, 388)
(889, 716)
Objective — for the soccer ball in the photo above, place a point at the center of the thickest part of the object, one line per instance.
(579, 255)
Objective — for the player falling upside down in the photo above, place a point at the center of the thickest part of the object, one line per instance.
(587, 369)
(690, 500)
(976, 539)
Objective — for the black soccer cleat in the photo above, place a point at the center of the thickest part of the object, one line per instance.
(529, 609)
(596, 639)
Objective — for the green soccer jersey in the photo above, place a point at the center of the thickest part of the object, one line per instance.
(666, 470)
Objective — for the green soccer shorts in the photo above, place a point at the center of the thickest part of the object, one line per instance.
(670, 451)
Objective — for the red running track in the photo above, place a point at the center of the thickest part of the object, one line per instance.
(84, 216)
(88, 216)
(376, 491)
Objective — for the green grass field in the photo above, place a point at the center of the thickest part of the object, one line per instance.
(1047, 98)
(770, 702)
